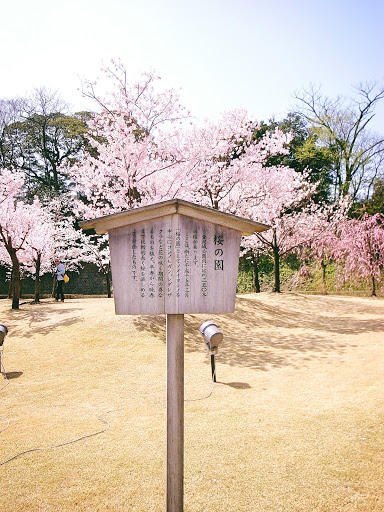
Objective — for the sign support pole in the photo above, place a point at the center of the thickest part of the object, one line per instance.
(175, 413)
(213, 367)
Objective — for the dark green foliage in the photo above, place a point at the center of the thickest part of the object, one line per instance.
(43, 143)
(376, 204)
(373, 205)
(304, 154)
(246, 278)
(292, 262)
(39, 137)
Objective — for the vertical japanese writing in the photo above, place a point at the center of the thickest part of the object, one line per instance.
(169, 262)
(160, 275)
(195, 242)
(134, 256)
(142, 265)
(178, 261)
(219, 252)
(187, 266)
(204, 273)
(151, 288)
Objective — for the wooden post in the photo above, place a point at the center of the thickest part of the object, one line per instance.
(213, 367)
(175, 413)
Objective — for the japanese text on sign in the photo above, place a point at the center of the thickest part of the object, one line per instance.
(164, 261)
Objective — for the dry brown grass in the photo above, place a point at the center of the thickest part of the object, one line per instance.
(295, 423)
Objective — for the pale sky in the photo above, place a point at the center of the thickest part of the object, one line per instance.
(223, 54)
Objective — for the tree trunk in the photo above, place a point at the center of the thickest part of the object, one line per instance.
(55, 178)
(37, 277)
(54, 286)
(255, 262)
(348, 179)
(16, 280)
(108, 278)
(373, 286)
(323, 267)
(10, 287)
(276, 261)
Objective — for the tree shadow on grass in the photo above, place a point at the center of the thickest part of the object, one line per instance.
(39, 321)
(312, 313)
(258, 334)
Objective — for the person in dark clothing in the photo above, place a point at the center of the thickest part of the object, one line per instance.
(60, 271)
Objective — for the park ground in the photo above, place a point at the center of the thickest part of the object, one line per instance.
(295, 422)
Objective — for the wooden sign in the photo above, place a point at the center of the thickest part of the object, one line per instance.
(174, 258)
(174, 265)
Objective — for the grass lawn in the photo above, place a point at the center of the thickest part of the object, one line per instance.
(295, 422)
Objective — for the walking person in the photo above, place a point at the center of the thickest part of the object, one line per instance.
(60, 271)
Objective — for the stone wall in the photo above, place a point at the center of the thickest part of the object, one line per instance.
(88, 281)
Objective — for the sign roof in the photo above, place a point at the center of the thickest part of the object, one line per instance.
(171, 207)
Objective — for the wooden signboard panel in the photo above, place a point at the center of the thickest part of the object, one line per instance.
(174, 264)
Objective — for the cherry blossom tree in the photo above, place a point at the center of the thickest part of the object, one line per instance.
(222, 155)
(32, 236)
(97, 249)
(143, 156)
(11, 184)
(40, 248)
(17, 221)
(210, 173)
(281, 198)
(70, 244)
(136, 137)
(317, 249)
(361, 249)
(232, 173)
(146, 154)
(227, 169)
(323, 240)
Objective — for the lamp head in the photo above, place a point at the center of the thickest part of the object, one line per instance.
(212, 336)
(3, 333)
